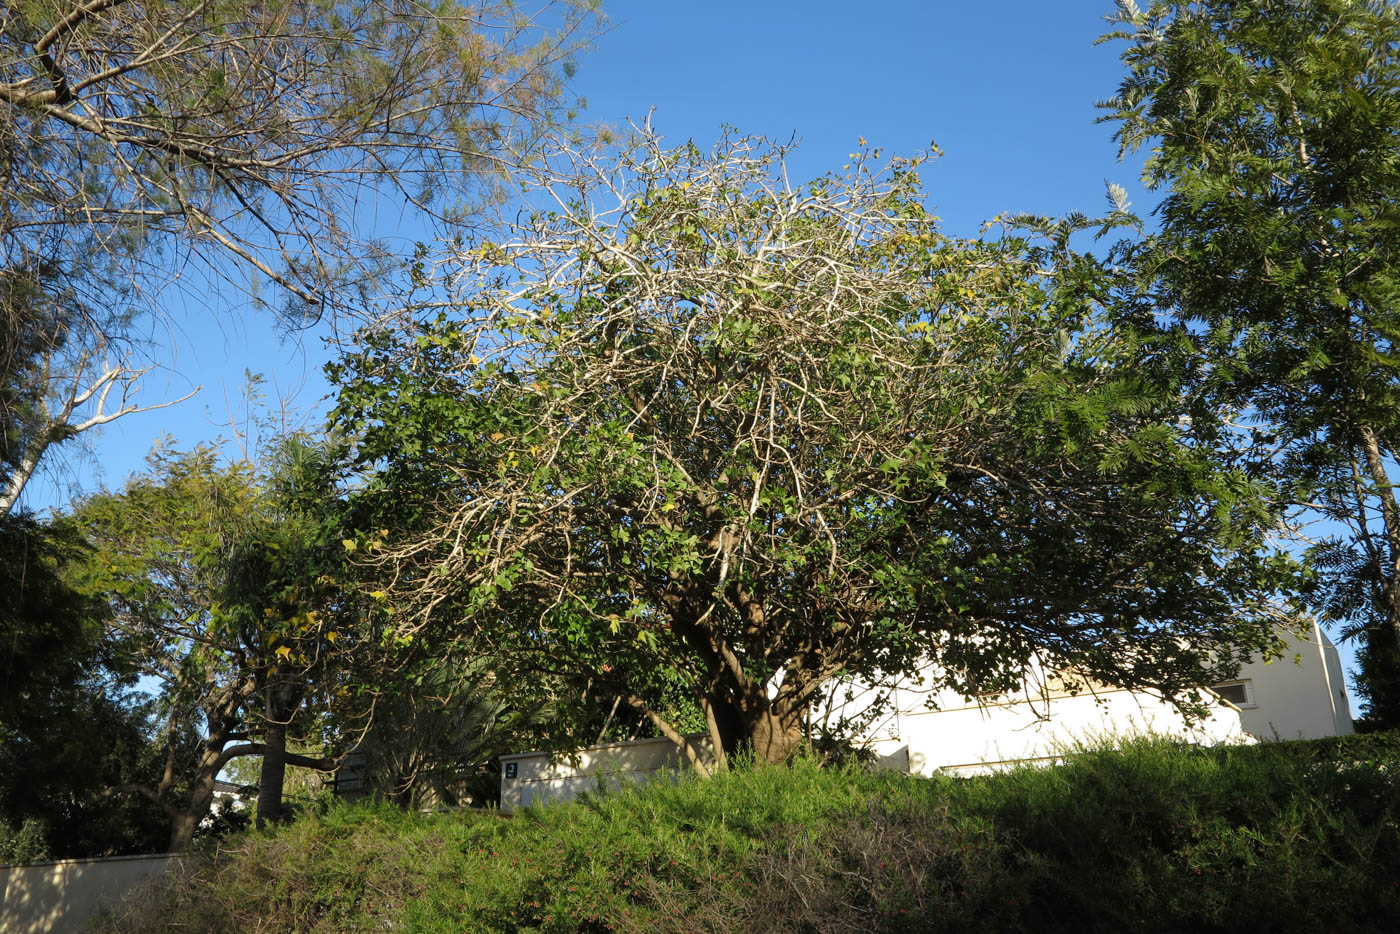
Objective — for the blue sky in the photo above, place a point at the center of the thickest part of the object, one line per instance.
(1007, 90)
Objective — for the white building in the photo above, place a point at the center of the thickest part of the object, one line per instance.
(1298, 696)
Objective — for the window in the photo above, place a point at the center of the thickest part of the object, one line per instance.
(1239, 693)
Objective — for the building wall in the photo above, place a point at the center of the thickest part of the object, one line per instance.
(972, 738)
(64, 895)
(923, 732)
(1301, 695)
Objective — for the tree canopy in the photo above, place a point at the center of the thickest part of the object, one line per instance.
(223, 581)
(689, 424)
(1275, 135)
(69, 727)
(149, 146)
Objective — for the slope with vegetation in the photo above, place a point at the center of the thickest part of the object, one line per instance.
(1280, 837)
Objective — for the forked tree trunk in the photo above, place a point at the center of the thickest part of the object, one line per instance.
(775, 737)
(183, 824)
(770, 730)
(223, 717)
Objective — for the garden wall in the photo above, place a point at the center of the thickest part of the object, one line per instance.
(63, 895)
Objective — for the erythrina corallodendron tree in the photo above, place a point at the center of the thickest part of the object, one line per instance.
(690, 423)
(209, 143)
(1275, 129)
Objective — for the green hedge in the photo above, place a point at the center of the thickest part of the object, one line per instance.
(1153, 837)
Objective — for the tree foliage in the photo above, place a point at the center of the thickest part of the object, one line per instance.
(146, 143)
(68, 727)
(436, 731)
(1275, 133)
(222, 581)
(690, 426)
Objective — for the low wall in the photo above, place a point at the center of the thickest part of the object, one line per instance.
(530, 777)
(62, 895)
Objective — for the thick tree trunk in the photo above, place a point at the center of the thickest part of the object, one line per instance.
(272, 775)
(776, 737)
(182, 828)
(215, 753)
(771, 731)
(184, 824)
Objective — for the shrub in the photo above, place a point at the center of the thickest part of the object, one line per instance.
(25, 843)
(1151, 837)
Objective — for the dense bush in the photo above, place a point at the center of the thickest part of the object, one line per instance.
(1155, 837)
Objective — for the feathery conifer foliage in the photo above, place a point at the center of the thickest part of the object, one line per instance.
(148, 145)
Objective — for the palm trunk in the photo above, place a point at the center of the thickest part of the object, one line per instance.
(282, 702)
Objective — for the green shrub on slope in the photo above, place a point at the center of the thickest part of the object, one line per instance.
(1154, 837)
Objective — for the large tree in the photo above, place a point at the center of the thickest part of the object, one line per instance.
(1275, 134)
(222, 580)
(688, 424)
(152, 148)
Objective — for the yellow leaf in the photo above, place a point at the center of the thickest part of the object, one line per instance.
(284, 651)
(332, 636)
(379, 595)
(348, 544)
(496, 436)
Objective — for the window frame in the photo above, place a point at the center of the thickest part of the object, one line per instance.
(1247, 684)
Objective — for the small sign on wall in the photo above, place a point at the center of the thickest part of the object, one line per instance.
(512, 769)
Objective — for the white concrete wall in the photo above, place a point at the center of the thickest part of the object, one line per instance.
(1301, 695)
(541, 776)
(913, 729)
(972, 738)
(63, 895)
(1298, 696)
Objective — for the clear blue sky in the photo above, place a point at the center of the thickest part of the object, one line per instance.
(1006, 89)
